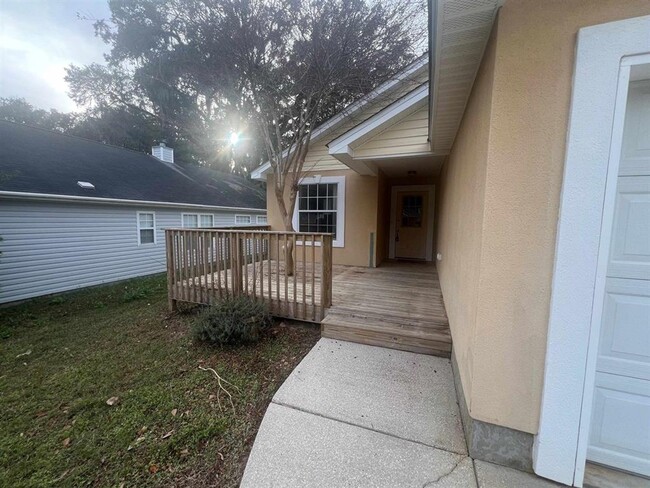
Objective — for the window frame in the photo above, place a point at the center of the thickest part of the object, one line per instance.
(265, 217)
(198, 219)
(340, 206)
(206, 215)
(140, 228)
(250, 219)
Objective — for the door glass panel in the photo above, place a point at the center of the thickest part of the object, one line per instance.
(412, 211)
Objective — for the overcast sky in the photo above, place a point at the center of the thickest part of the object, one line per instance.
(38, 39)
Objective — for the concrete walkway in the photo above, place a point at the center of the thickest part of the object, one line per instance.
(356, 415)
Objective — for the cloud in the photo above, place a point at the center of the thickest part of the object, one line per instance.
(38, 40)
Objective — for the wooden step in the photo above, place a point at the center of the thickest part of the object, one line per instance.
(400, 320)
(437, 343)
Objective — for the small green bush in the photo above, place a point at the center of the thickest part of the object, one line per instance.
(137, 291)
(233, 320)
(59, 300)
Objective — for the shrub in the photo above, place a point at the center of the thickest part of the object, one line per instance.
(232, 321)
(137, 290)
(59, 300)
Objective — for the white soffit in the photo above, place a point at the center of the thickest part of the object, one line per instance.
(460, 31)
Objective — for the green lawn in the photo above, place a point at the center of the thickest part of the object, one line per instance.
(62, 358)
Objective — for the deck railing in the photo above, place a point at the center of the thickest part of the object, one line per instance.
(205, 265)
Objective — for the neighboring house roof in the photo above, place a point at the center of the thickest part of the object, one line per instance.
(373, 102)
(43, 162)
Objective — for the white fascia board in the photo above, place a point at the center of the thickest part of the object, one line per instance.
(342, 147)
(259, 173)
(322, 130)
(357, 165)
(116, 201)
(401, 77)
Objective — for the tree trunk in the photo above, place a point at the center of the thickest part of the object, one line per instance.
(289, 264)
(287, 219)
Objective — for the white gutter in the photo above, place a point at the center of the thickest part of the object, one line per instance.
(116, 201)
(259, 173)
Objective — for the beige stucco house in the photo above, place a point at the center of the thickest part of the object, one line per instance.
(516, 157)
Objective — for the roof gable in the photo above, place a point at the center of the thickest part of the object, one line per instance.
(405, 81)
(344, 147)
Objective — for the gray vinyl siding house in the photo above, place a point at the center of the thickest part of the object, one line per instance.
(54, 241)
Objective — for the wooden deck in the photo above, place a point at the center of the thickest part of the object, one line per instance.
(398, 305)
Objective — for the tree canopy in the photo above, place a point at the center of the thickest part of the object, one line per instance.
(200, 70)
(192, 72)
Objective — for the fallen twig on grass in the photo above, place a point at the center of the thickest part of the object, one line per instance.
(221, 387)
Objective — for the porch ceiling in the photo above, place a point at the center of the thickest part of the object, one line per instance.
(402, 167)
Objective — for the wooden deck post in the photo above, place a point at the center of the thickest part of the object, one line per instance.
(169, 246)
(326, 274)
(237, 283)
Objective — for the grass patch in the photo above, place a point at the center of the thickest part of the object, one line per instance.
(62, 358)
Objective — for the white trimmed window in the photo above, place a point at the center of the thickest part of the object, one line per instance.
(206, 220)
(146, 228)
(321, 207)
(242, 219)
(261, 219)
(190, 220)
(198, 220)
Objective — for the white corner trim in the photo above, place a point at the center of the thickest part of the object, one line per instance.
(593, 149)
(340, 205)
(155, 231)
(393, 217)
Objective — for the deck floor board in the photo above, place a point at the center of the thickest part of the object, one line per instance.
(397, 305)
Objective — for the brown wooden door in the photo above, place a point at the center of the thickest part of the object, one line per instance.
(411, 224)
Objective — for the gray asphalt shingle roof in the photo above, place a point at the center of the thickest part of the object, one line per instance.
(34, 160)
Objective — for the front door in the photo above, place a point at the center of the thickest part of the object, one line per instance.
(411, 224)
(620, 427)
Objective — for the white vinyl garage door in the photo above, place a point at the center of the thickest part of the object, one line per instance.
(620, 428)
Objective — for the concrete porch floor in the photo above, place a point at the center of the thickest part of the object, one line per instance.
(359, 415)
